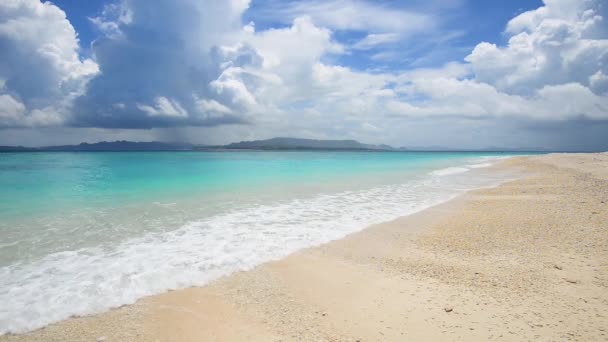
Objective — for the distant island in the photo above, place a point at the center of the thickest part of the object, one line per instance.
(283, 143)
(274, 144)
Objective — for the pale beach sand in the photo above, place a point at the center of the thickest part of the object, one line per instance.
(527, 260)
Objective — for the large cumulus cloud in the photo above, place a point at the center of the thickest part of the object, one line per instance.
(157, 64)
(562, 42)
(194, 63)
(41, 72)
(552, 68)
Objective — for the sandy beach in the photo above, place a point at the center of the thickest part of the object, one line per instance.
(527, 260)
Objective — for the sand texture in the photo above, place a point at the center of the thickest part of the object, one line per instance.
(527, 260)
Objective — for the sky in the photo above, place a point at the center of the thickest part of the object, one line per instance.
(420, 73)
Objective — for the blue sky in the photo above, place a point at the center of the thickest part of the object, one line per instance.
(469, 22)
(461, 25)
(464, 73)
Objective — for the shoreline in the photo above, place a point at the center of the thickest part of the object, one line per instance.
(435, 274)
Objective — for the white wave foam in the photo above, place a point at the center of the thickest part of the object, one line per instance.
(480, 165)
(449, 171)
(92, 280)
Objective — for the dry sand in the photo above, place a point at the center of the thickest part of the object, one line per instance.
(527, 260)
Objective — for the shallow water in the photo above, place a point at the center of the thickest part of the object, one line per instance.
(83, 232)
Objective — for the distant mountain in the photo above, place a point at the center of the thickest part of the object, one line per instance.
(14, 149)
(282, 144)
(104, 146)
(306, 144)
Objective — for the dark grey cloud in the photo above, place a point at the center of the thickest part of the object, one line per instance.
(571, 135)
(155, 55)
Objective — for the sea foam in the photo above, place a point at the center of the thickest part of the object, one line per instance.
(449, 171)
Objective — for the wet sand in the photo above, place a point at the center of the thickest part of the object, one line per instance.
(527, 260)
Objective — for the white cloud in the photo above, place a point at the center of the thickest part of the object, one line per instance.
(449, 70)
(112, 17)
(213, 107)
(230, 85)
(301, 43)
(369, 127)
(11, 110)
(40, 65)
(14, 113)
(272, 68)
(571, 100)
(469, 98)
(374, 39)
(386, 55)
(164, 107)
(552, 45)
(598, 82)
(357, 15)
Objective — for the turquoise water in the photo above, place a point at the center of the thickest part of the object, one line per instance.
(32, 183)
(83, 232)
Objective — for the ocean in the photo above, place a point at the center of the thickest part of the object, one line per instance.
(81, 232)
